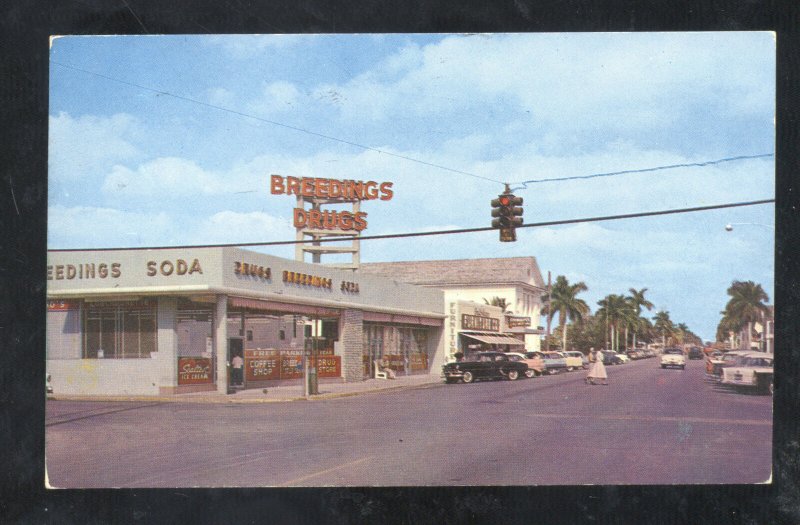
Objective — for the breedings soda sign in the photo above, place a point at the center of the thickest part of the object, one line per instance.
(315, 187)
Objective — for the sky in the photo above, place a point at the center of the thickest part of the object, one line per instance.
(171, 140)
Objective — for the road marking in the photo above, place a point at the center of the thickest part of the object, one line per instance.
(680, 419)
(326, 471)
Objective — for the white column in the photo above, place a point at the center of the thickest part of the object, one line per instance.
(221, 342)
(167, 354)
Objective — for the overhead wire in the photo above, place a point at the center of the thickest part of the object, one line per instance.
(437, 232)
(406, 157)
(276, 123)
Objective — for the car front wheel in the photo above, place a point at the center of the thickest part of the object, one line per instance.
(512, 375)
(530, 373)
(468, 377)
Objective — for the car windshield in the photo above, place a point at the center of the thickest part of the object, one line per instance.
(758, 361)
(676, 351)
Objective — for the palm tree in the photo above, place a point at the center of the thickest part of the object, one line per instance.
(745, 305)
(613, 307)
(638, 301)
(564, 300)
(497, 301)
(663, 325)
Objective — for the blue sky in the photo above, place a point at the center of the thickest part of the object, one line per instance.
(187, 161)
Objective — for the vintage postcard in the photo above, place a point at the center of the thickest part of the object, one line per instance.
(410, 260)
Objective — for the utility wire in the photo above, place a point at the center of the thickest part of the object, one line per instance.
(644, 170)
(437, 232)
(397, 155)
(276, 123)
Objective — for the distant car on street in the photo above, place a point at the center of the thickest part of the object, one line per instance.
(673, 357)
(483, 365)
(695, 353)
(535, 362)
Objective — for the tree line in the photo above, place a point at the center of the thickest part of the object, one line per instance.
(619, 323)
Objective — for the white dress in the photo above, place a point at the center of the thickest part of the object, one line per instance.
(598, 369)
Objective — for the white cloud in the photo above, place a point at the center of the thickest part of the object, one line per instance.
(83, 146)
(243, 47)
(163, 177)
(277, 97)
(99, 227)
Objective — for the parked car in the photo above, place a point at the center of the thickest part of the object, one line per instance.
(753, 371)
(714, 366)
(673, 357)
(624, 358)
(695, 353)
(535, 362)
(554, 362)
(611, 358)
(576, 359)
(635, 354)
(483, 365)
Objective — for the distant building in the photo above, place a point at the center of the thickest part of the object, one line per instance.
(517, 280)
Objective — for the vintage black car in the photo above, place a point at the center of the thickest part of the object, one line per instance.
(483, 365)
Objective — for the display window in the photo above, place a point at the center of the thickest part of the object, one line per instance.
(120, 330)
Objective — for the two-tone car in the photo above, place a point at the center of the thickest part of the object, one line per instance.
(611, 358)
(576, 360)
(753, 371)
(554, 362)
(483, 365)
(535, 362)
(673, 357)
(714, 367)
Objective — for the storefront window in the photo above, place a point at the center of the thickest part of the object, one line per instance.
(404, 349)
(123, 330)
(195, 328)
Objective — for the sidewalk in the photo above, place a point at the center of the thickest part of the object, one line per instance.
(278, 394)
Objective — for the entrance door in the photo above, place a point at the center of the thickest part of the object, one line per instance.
(236, 349)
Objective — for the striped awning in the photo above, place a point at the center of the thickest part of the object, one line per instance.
(495, 339)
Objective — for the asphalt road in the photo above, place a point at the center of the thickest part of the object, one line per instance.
(649, 426)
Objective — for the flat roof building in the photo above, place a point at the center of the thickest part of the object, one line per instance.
(155, 321)
(515, 280)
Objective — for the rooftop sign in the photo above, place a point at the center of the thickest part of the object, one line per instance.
(321, 188)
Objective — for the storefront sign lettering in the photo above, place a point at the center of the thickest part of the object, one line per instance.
(323, 188)
(83, 271)
(476, 322)
(194, 371)
(62, 305)
(349, 287)
(307, 280)
(252, 270)
(179, 267)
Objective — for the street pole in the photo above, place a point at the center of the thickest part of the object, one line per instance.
(549, 313)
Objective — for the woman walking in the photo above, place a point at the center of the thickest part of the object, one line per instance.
(597, 370)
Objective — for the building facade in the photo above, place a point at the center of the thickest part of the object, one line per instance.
(516, 280)
(148, 322)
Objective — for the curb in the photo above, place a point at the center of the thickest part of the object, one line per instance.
(233, 400)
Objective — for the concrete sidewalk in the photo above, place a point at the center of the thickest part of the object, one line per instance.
(278, 394)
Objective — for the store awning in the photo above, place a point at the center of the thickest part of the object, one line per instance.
(495, 339)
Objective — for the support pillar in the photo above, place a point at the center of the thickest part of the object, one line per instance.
(352, 338)
(221, 343)
(167, 338)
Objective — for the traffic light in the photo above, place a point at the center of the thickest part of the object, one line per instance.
(507, 208)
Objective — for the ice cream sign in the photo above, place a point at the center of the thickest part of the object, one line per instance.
(320, 188)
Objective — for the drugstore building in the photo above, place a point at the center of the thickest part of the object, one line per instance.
(163, 321)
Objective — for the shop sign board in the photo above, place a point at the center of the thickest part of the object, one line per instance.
(477, 322)
(194, 371)
(515, 321)
(260, 365)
